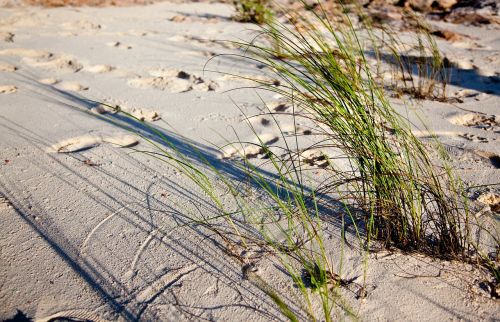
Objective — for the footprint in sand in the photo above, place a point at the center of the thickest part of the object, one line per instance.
(473, 138)
(249, 150)
(176, 81)
(476, 120)
(4, 67)
(144, 114)
(71, 86)
(99, 69)
(287, 128)
(85, 142)
(6, 36)
(62, 63)
(119, 45)
(172, 84)
(195, 82)
(140, 113)
(25, 53)
(7, 89)
(315, 157)
(77, 144)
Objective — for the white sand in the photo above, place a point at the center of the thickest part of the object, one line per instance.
(92, 232)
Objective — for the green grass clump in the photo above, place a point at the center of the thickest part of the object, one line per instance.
(418, 67)
(407, 201)
(255, 11)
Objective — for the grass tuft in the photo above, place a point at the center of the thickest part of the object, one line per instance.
(420, 68)
(254, 11)
(407, 200)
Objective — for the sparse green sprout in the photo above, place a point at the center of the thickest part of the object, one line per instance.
(255, 11)
(418, 66)
(424, 73)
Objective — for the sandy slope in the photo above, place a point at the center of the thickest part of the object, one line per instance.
(92, 229)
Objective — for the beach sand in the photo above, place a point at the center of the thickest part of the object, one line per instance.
(89, 229)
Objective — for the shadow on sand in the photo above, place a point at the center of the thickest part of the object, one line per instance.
(138, 206)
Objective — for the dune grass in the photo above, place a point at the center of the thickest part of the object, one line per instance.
(409, 203)
(385, 184)
(408, 200)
